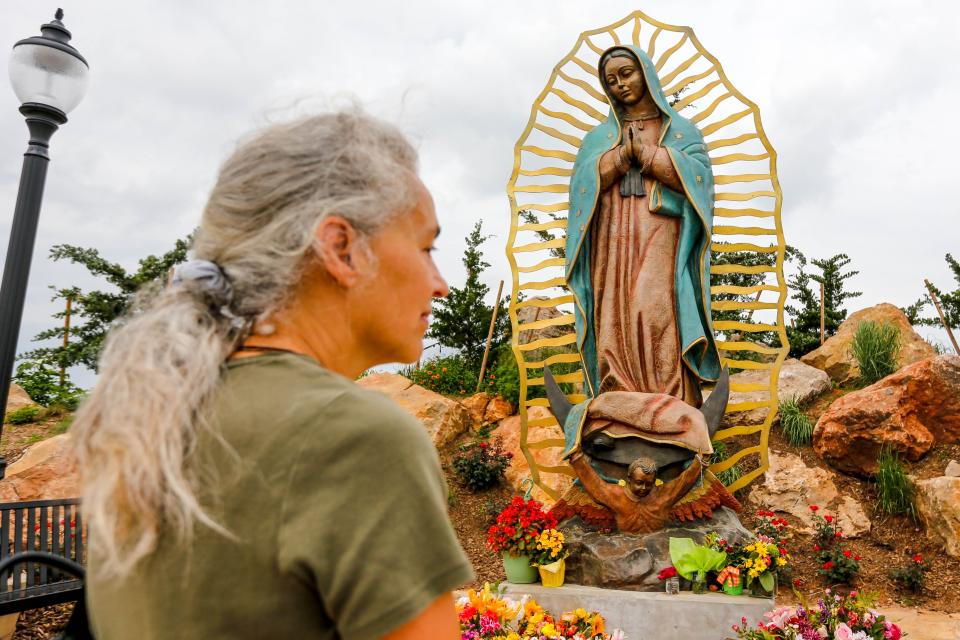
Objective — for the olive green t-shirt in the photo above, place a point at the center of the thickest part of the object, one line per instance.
(338, 505)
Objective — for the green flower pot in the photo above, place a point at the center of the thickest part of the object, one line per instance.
(519, 570)
(729, 589)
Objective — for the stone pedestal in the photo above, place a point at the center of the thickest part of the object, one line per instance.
(649, 615)
(632, 562)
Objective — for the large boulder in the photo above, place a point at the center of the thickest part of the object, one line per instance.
(443, 418)
(519, 470)
(834, 355)
(908, 411)
(46, 471)
(497, 409)
(477, 406)
(528, 315)
(796, 380)
(17, 398)
(938, 501)
(790, 486)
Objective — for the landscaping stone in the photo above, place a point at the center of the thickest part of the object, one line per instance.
(834, 355)
(632, 562)
(46, 471)
(497, 409)
(519, 471)
(443, 418)
(651, 616)
(908, 411)
(17, 399)
(953, 469)
(477, 406)
(796, 380)
(938, 501)
(790, 486)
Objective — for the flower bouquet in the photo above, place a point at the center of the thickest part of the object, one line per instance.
(693, 561)
(833, 618)
(549, 556)
(514, 537)
(485, 615)
(671, 581)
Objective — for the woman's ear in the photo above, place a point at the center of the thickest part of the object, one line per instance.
(339, 251)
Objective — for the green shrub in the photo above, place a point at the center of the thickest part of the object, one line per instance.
(24, 415)
(838, 565)
(721, 453)
(911, 576)
(894, 490)
(506, 375)
(449, 375)
(796, 425)
(876, 347)
(481, 464)
(41, 381)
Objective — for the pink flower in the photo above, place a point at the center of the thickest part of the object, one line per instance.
(843, 632)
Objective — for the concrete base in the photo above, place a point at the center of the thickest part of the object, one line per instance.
(645, 615)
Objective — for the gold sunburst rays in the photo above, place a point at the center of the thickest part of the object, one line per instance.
(748, 319)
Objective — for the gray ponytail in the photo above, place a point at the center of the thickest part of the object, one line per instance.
(135, 434)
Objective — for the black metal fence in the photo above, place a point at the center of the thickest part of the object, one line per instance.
(52, 526)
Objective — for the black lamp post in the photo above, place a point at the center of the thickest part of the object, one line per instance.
(50, 78)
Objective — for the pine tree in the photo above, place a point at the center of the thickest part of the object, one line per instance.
(462, 319)
(949, 302)
(98, 309)
(804, 330)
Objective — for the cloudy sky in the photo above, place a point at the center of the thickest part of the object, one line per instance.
(857, 97)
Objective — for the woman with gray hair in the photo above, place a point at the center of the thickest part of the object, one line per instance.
(237, 483)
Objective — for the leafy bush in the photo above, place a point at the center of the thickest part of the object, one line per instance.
(837, 564)
(875, 347)
(481, 464)
(24, 415)
(894, 490)
(796, 425)
(911, 575)
(450, 375)
(506, 375)
(41, 381)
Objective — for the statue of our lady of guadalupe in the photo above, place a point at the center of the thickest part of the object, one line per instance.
(638, 265)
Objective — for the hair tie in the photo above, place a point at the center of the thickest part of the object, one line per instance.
(207, 277)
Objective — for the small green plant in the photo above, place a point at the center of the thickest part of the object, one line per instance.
(796, 425)
(481, 464)
(721, 453)
(895, 492)
(24, 415)
(911, 575)
(505, 375)
(452, 500)
(876, 348)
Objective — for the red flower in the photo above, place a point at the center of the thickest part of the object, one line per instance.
(668, 572)
(828, 518)
(484, 445)
(838, 535)
(847, 554)
(828, 565)
(814, 507)
(797, 583)
(918, 559)
(857, 558)
(816, 547)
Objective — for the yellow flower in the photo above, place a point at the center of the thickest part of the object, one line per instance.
(581, 613)
(781, 562)
(512, 636)
(754, 573)
(548, 630)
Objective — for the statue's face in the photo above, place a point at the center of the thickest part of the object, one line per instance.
(640, 482)
(625, 80)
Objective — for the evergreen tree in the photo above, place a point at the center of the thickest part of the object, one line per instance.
(462, 319)
(804, 330)
(949, 302)
(97, 309)
(747, 258)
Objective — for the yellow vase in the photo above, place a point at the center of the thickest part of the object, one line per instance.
(551, 575)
